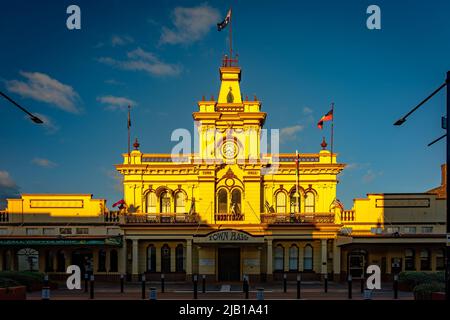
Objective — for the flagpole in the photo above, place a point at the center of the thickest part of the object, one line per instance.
(332, 131)
(297, 186)
(231, 42)
(129, 138)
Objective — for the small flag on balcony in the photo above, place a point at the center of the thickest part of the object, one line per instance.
(338, 203)
(327, 117)
(119, 203)
(225, 22)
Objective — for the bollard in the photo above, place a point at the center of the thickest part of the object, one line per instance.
(325, 282)
(395, 286)
(195, 286)
(284, 283)
(122, 278)
(143, 286)
(203, 283)
(162, 282)
(86, 279)
(246, 286)
(45, 293)
(363, 282)
(152, 293)
(260, 294)
(349, 286)
(299, 279)
(92, 287)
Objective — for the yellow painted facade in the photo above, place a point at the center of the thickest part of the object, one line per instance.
(226, 209)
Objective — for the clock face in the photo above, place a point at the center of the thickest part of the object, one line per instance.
(229, 150)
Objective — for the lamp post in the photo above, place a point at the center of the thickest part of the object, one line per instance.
(32, 116)
(402, 120)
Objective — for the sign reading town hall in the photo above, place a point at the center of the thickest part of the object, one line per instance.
(228, 236)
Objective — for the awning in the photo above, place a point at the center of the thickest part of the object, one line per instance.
(107, 241)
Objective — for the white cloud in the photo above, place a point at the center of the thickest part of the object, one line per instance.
(116, 103)
(370, 175)
(6, 181)
(48, 123)
(45, 163)
(117, 40)
(290, 133)
(307, 110)
(140, 60)
(116, 177)
(8, 188)
(190, 24)
(41, 87)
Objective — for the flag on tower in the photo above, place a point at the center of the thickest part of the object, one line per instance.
(225, 22)
(327, 117)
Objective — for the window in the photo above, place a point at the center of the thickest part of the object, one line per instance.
(393, 229)
(49, 261)
(3, 231)
(409, 260)
(33, 231)
(310, 202)
(293, 258)
(165, 258)
(279, 258)
(49, 231)
(82, 230)
(410, 230)
(179, 258)
(427, 229)
(425, 260)
(440, 262)
(151, 202)
(235, 201)
(294, 202)
(179, 202)
(28, 259)
(65, 230)
(102, 260)
(60, 261)
(281, 202)
(222, 198)
(113, 260)
(308, 258)
(151, 258)
(165, 202)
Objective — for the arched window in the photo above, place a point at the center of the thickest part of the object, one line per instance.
(236, 201)
(101, 260)
(113, 261)
(7, 260)
(222, 198)
(294, 201)
(49, 261)
(293, 258)
(165, 202)
(410, 258)
(151, 258)
(425, 263)
(279, 258)
(180, 206)
(281, 202)
(165, 258)
(60, 261)
(28, 259)
(308, 258)
(179, 258)
(440, 262)
(151, 202)
(310, 202)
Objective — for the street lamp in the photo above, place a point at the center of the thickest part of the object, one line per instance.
(32, 116)
(445, 125)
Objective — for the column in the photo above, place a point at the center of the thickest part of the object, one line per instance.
(269, 260)
(286, 257)
(188, 259)
(108, 259)
(323, 252)
(55, 260)
(122, 256)
(172, 259)
(135, 262)
(336, 261)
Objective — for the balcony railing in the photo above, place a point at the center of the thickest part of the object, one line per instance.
(229, 217)
(348, 215)
(161, 218)
(4, 216)
(314, 218)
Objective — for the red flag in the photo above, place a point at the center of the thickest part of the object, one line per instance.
(327, 117)
(120, 202)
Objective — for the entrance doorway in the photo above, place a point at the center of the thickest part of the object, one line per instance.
(229, 264)
(357, 263)
(83, 259)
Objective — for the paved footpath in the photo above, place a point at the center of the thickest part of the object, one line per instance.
(184, 291)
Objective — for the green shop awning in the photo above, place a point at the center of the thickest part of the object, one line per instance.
(111, 241)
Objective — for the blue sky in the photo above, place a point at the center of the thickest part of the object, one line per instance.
(296, 56)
